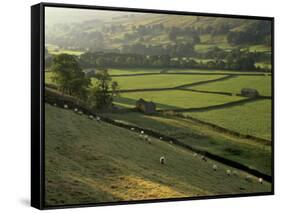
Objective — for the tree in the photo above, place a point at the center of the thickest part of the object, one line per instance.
(103, 91)
(69, 76)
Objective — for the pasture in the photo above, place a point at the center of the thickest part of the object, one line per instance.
(252, 118)
(203, 137)
(235, 84)
(175, 99)
(160, 81)
(90, 161)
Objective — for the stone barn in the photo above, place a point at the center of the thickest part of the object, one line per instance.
(147, 107)
(90, 72)
(249, 92)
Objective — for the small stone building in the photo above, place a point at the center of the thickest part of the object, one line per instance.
(147, 107)
(90, 72)
(249, 92)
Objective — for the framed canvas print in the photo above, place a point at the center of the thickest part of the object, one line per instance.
(137, 105)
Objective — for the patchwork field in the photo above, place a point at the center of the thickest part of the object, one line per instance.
(160, 81)
(90, 161)
(235, 84)
(132, 71)
(175, 99)
(250, 118)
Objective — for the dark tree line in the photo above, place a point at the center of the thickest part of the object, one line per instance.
(232, 60)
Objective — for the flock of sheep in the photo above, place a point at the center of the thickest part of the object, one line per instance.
(162, 159)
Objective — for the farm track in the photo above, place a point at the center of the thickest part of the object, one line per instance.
(165, 138)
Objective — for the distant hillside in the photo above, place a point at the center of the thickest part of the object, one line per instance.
(133, 32)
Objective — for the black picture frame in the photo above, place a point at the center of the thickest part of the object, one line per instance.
(38, 109)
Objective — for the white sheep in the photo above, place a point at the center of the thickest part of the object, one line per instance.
(248, 178)
(234, 172)
(260, 180)
(91, 117)
(160, 138)
(80, 112)
(133, 129)
(65, 106)
(145, 137)
(75, 110)
(162, 160)
(171, 142)
(228, 172)
(195, 154)
(203, 158)
(98, 118)
(55, 104)
(215, 167)
(142, 132)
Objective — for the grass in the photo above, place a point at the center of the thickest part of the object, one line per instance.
(91, 162)
(132, 71)
(259, 48)
(55, 50)
(226, 72)
(203, 137)
(175, 99)
(250, 118)
(160, 81)
(234, 85)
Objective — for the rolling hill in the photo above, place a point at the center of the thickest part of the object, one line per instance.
(88, 161)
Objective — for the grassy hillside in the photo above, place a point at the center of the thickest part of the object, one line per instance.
(248, 152)
(87, 161)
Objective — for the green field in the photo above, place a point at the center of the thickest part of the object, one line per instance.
(203, 137)
(234, 85)
(55, 50)
(87, 161)
(226, 72)
(160, 81)
(132, 71)
(250, 118)
(175, 99)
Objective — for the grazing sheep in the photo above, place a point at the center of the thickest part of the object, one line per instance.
(203, 158)
(98, 119)
(228, 172)
(248, 178)
(65, 106)
(171, 142)
(162, 160)
(133, 129)
(234, 172)
(160, 138)
(55, 104)
(145, 137)
(149, 140)
(260, 180)
(195, 154)
(142, 132)
(91, 117)
(80, 112)
(75, 110)
(215, 167)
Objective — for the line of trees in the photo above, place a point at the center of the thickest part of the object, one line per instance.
(232, 60)
(71, 80)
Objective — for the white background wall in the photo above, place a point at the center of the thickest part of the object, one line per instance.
(15, 105)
